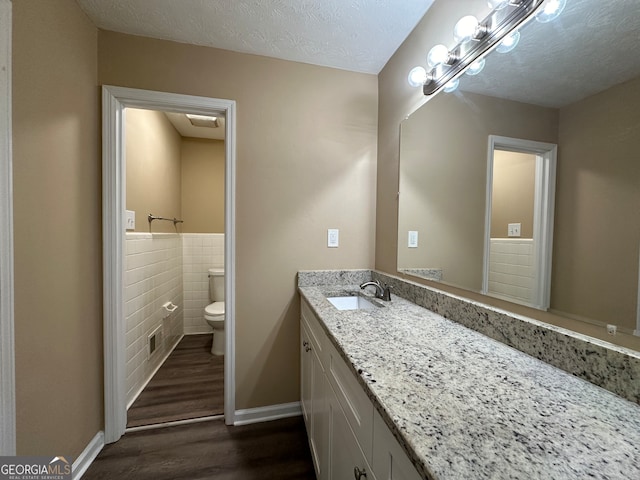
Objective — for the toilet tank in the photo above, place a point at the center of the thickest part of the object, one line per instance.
(216, 284)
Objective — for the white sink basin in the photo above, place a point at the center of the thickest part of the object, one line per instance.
(351, 303)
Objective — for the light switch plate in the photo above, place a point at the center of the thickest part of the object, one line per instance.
(513, 229)
(333, 238)
(130, 221)
(413, 239)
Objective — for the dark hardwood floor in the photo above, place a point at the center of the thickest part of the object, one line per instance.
(209, 450)
(188, 385)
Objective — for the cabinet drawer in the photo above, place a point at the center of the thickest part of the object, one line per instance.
(357, 407)
(390, 462)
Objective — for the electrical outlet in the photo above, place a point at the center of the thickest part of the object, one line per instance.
(333, 238)
(513, 229)
(612, 329)
(130, 221)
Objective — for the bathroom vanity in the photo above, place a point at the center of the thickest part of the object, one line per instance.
(400, 392)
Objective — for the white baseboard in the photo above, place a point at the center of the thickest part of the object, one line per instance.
(87, 456)
(265, 414)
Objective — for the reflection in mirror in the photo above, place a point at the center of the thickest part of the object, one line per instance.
(571, 82)
(519, 220)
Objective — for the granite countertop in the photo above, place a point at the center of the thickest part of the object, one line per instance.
(465, 406)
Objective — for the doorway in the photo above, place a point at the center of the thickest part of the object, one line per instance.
(115, 101)
(520, 199)
(174, 164)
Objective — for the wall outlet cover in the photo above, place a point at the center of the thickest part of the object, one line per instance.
(130, 221)
(513, 229)
(333, 238)
(413, 239)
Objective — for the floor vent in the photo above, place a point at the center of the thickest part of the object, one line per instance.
(155, 340)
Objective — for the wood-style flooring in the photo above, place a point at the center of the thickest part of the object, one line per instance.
(188, 385)
(209, 450)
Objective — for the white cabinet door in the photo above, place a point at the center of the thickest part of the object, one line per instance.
(346, 458)
(390, 462)
(313, 400)
(305, 375)
(319, 420)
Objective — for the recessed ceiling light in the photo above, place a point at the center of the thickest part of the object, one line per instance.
(203, 120)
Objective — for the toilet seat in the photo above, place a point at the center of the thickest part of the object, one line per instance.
(214, 310)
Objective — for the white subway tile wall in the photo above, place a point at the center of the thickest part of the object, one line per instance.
(202, 251)
(511, 268)
(153, 276)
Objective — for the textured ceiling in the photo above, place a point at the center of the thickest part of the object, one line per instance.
(357, 35)
(591, 47)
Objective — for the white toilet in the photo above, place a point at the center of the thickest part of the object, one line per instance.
(214, 312)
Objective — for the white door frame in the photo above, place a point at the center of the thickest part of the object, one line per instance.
(544, 206)
(7, 353)
(114, 102)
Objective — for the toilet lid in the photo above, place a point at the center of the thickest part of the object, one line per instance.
(215, 308)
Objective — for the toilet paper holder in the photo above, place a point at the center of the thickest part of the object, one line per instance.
(170, 307)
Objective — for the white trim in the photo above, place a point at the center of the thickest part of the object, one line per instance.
(7, 353)
(114, 101)
(265, 414)
(88, 455)
(174, 423)
(544, 206)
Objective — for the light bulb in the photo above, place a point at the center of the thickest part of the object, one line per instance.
(465, 29)
(417, 76)
(437, 55)
(476, 67)
(551, 10)
(498, 4)
(451, 85)
(509, 42)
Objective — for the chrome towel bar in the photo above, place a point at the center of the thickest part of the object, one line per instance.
(175, 221)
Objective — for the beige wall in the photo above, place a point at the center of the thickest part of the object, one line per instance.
(153, 165)
(513, 193)
(443, 181)
(202, 185)
(597, 223)
(57, 215)
(397, 100)
(306, 161)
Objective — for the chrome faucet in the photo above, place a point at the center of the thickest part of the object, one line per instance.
(383, 293)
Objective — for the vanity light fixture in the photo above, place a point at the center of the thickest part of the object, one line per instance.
(509, 42)
(551, 10)
(451, 85)
(417, 76)
(476, 67)
(439, 55)
(465, 29)
(474, 39)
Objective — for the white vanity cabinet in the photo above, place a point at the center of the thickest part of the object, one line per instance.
(347, 436)
(313, 395)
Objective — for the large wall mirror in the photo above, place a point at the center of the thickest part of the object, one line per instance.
(574, 85)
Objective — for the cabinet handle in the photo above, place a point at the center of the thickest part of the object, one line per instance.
(305, 344)
(307, 349)
(358, 474)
